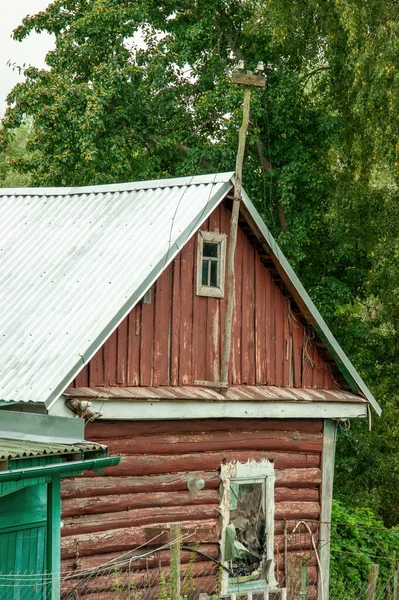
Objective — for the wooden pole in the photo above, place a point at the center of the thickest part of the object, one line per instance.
(175, 543)
(372, 583)
(248, 80)
(228, 319)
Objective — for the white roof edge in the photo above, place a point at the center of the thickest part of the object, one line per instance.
(119, 187)
(348, 370)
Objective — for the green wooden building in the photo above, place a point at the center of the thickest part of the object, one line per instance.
(36, 451)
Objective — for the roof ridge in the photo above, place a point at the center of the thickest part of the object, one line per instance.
(150, 184)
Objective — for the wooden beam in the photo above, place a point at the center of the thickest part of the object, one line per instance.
(327, 479)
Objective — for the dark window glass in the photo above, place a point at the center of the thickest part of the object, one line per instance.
(214, 274)
(247, 527)
(205, 271)
(210, 250)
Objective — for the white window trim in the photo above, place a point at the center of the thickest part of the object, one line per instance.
(249, 472)
(216, 238)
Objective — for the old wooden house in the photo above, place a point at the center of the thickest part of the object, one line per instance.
(117, 315)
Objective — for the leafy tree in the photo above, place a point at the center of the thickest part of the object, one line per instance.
(15, 152)
(322, 157)
(359, 539)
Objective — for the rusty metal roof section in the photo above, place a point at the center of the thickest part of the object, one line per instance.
(74, 261)
(15, 449)
(242, 393)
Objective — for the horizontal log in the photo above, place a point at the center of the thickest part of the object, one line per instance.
(298, 477)
(105, 430)
(297, 510)
(127, 502)
(134, 518)
(119, 581)
(153, 560)
(100, 486)
(157, 464)
(184, 443)
(127, 539)
(296, 494)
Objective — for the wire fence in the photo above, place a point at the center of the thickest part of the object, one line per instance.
(150, 572)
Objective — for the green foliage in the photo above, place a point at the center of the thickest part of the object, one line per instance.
(359, 539)
(14, 154)
(322, 150)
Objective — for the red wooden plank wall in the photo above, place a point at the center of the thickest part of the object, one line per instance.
(106, 516)
(177, 338)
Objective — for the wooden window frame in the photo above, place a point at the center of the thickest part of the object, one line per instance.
(251, 472)
(215, 238)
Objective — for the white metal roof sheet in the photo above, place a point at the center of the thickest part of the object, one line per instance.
(74, 261)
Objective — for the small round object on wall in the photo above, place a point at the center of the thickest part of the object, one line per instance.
(195, 484)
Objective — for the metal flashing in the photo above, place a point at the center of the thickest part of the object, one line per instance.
(156, 410)
(40, 428)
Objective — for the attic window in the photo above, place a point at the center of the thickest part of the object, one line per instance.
(248, 525)
(211, 264)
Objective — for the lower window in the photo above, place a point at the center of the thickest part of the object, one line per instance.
(248, 525)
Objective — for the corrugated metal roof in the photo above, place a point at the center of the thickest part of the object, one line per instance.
(264, 393)
(11, 449)
(74, 261)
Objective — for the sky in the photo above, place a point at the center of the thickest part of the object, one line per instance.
(31, 51)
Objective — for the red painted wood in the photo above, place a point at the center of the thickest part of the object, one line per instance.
(96, 369)
(297, 348)
(82, 380)
(248, 316)
(105, 430)
(153, 560)
(287, 346)
(236, 342)
(121, 367)
(146, 341)
(127, 502)
(279, 325)
(175, 322)
(162, 299)
(186, 312)
(133, 346)
(126, 539)
(270, 332)
(260, 321)
(177, 338)
(134, 501)
(110, 359)
(161, 463)
(189, 443)
(151, 484)
(92, 523)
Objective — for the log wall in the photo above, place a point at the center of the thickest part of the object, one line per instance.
(107, 515)
(176, 339)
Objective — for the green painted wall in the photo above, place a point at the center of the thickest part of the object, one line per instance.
(23, 543)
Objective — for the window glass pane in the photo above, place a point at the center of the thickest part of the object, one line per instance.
(210, 250)
(214, 274)
(247, 517)
(205, 271)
